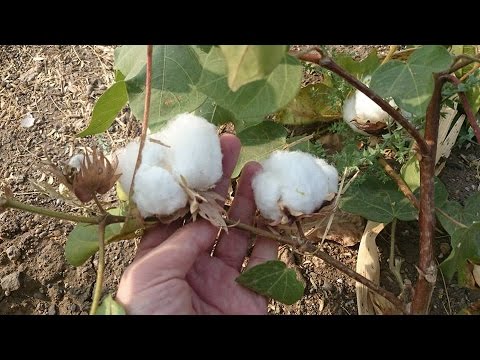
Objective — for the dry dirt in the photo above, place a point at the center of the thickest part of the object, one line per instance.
(58, 86)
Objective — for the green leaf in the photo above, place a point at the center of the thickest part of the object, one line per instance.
(252, 102)
(467, 215)
(473, 96)
(82, 242)
(377, 201)
(106, 109)
(465, 249)
(410, 173)
(214, 113)
(110, 307)
(175, 71)
(247, 63)
(410, 84)
(360, 69)
(258, 142)
(313, 103)
(275, 280)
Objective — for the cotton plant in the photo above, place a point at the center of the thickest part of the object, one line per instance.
(293, 183)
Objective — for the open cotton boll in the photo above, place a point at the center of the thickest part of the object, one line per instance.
(303, 184)
(195, 150)
(267, 194)
(76, 161)
(331, 173)
(153, 154)
(363, 110)
(156, 192)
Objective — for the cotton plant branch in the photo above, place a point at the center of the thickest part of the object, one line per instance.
(315, 251)
(100, 269)
(466, 107)
(318, 57)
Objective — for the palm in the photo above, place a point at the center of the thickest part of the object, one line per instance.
(174, 271)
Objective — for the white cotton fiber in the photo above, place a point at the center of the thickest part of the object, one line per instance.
(362, 109)
(303, 184)
(76, 161)
(267, 195)
(156, 192)
(195, 150)
(331, 173)
(153, 154)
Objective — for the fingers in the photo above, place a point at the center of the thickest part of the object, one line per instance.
(230, 145)
(232, 247)
(265, 249)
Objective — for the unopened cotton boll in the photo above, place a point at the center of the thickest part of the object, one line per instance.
(195, 150)
(360, 108)
(302, 182)
(156, 192)
(153, 154)
(331, 173)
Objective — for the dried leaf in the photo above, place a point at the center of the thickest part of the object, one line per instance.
(368, 265)
(382, 306)
(210, 209)
(476, 273)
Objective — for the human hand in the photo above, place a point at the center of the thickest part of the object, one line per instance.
(174, 272)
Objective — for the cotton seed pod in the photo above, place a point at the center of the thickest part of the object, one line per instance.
(156, 192)
(302, 183)
(154, 154)
(195, 150)
(363, 115)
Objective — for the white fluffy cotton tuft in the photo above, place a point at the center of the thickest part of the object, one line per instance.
(331, 173)
(195, 150)
(361, 108)
(76, 161)
(156, 192)
(302, 183)
(153, 154)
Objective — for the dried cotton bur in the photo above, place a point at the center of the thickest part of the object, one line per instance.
(180, 166)
(293, 184)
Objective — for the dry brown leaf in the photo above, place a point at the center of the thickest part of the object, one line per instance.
(368, 265)
(446, 137)
(476, 274)
(211, 210)
(382, 306)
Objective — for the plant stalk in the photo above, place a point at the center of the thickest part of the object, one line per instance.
(100, 269)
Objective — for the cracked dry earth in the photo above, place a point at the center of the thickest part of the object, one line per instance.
(58, 87)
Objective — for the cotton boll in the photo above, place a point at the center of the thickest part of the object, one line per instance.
(195, 150)
(361, 109)
(76, 161)
(266, 189)
(331, 173)
(153, 154)
(156, 192)
(303, 183)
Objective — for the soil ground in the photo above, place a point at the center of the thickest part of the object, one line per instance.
(58, 86)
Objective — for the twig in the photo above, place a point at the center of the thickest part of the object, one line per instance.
(391, 261)
(462, 61)
(446, 290)
(402, 185)
(470, 72)
(325, 257)
(15, 204)
(100, 269)
(335, 206)
(466, 107)
(328, 63)
(146, 113)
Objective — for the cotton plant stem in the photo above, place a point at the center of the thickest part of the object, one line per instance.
(146, 113)
(391, 51)
(100, 269)
(15, 204)
(325, 257)
(462, 61)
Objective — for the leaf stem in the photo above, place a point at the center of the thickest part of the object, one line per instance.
(391, 51)
(391, 261)
(101, 267)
